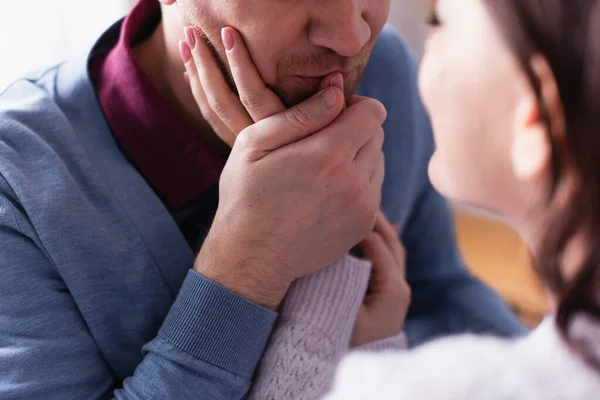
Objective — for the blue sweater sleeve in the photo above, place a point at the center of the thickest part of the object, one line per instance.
(208, 347)
(446, 298)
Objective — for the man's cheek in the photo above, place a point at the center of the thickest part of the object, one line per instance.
(265, 63)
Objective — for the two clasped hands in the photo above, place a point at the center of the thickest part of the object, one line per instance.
(302, 186)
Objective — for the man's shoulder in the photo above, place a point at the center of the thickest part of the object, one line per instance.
(27, 101)
(39, 107)
(38, 131)
(39, 80)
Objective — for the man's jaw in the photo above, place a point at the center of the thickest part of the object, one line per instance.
(298, 87)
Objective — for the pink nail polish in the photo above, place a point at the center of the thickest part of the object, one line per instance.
(184, 52)
(190, 37)
(227, 38)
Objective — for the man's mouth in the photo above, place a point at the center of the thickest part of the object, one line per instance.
(315, 80)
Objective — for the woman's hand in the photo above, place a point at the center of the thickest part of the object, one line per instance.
(384, 309)
(289, 173)
(229, 113)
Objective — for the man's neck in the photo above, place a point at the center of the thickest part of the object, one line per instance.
(159, 58)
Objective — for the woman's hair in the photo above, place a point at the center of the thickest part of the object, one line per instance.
(567, 34)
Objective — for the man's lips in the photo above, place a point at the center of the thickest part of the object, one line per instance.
(316, 80)
(311, 81)
(320, 77)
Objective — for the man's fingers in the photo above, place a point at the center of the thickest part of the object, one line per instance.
(259, 101)
(378, 175)
(191, 77)
(366, 117)
(335, 79)
(221, 99)
(354, 99)
(369, 156)
(297, 122)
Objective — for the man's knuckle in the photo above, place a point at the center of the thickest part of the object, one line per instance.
(246, 138)
(355, 192)
(406, 291)
(298, 117)
(378, 109)
(380, 135)
(334, 159)
(370, 209)
(356, 199)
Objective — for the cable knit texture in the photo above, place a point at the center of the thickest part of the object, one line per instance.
(538, 367)
(313, 333)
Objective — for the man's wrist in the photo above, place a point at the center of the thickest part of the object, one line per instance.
(241, 273)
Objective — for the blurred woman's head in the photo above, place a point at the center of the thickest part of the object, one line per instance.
(513, 89)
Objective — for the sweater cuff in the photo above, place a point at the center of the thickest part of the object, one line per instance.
(397, 342)
(329, 299)
(217, 325)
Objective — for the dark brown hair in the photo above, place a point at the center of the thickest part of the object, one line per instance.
(567, 34)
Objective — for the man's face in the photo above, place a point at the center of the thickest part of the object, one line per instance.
(295, 43)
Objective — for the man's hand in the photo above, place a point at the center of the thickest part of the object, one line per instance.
(385, 306)
(301, 186)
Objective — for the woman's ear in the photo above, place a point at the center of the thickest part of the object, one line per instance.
(532, 143)
(531, 152)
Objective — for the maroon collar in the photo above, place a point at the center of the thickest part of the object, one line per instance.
(166, 149)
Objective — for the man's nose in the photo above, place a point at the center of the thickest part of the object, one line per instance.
(340, 25)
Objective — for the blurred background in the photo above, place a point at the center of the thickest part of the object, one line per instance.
(36, 33)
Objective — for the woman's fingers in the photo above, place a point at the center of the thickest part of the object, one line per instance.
(260, 102)
(193, 80)
(221, 99)
(391, 238)
(378, 252)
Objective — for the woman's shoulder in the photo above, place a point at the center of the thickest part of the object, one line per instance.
(539, 366)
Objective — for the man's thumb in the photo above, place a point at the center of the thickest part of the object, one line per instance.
(299, 121)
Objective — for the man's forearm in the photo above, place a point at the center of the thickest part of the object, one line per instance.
(231, 267)
(207, 348)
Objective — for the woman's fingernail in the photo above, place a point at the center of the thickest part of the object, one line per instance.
(227, 38)
(328, 99)
(190, 37)
(337, 81)
(187, 78)
(184, 52)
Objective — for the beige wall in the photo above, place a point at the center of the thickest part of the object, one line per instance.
(408, 16)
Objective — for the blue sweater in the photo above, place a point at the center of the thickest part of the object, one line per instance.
(97, 296)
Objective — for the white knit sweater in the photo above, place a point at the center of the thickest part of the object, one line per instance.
(313, 333)
(314, 329)
(538, 367)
